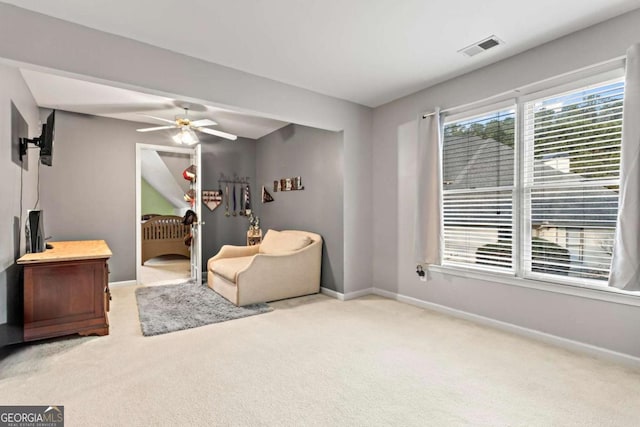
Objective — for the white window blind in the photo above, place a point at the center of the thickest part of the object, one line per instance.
(478, 182)
(571, 181)
(559, 165)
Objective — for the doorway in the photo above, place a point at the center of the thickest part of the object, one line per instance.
(167, 187)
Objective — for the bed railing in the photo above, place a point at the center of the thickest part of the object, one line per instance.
(164, 235)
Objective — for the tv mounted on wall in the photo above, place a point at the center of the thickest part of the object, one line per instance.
(44, 141)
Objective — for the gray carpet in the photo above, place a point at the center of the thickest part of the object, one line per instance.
(170, 308)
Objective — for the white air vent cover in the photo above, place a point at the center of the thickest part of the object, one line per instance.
(481, 46)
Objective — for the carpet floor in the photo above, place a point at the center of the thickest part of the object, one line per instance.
(317, 361)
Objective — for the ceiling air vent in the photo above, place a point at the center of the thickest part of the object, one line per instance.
(481, 46)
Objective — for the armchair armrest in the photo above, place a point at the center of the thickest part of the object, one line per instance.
(270, 277)
(230, 251)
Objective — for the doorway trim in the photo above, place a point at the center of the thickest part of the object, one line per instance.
(156, 148)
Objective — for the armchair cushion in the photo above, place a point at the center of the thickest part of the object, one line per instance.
(230, 267)
(276, 242)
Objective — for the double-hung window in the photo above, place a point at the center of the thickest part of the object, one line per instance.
(532, 190)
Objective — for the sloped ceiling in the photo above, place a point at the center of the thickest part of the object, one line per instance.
(157, 174)
(64, 93)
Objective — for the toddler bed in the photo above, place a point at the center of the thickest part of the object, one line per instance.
(164, 235)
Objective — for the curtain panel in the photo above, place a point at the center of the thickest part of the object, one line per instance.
(429, 234)
(625, 263)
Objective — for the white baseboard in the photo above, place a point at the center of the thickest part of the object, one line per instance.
(122, 283)
(598, 352)
(358, 294)
(347, 296)
(331, 293)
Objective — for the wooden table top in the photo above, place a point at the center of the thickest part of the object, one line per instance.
(69, 251)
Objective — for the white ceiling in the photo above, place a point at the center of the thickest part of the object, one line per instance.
(365, 51)
(63, 93)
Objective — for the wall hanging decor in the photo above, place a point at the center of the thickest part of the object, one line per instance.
(212, 198)
(234, 200)
(226, 200)
(237, 195)
(246, 200)
(266, 197)
(288, 184)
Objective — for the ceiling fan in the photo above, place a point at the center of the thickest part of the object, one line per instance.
(186, 134)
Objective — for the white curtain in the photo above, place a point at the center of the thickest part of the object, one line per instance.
(429, 235)
(625, 264)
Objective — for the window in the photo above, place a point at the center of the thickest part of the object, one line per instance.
(478, 181)
(559, 165)
(571, 181)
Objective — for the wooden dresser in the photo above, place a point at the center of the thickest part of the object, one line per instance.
(66, 290)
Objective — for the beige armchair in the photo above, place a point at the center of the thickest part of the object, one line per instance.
(285, 265)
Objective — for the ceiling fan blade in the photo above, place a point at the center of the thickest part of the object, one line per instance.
(217, 133)
(159, 118)
(155, 128)
(203, 122)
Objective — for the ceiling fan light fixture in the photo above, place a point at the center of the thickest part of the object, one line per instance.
(186, 136)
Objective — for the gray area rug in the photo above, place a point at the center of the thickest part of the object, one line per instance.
(170, 308)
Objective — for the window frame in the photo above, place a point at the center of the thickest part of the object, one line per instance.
(518, 275)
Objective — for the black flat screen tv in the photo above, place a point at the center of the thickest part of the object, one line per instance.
(44, 141)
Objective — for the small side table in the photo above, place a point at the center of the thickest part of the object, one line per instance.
(254, 238)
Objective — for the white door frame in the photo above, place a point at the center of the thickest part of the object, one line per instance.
(190, 151)
(196, 227)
